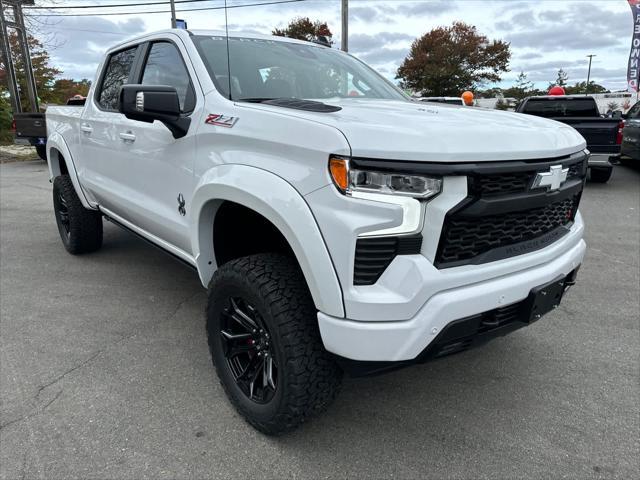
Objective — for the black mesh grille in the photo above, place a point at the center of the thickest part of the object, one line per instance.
(373, 255)
(466, 238)
(516, 182)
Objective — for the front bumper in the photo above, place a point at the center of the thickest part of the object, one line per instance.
(405, 340)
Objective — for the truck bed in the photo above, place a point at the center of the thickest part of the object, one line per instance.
(600, 133)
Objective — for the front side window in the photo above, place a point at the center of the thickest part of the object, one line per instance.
(165, 67)
(265, 69)
(116, 74)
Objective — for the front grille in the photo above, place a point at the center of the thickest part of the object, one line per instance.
(374, 254)
(504, 216)
(467, 238)
(518, 182)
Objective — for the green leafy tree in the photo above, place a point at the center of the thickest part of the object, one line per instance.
(302, 28)
(561, 79)
(520, 89)
(449, 60)
(65, 88)
(581, 87)
(43, 72)
(5, 119)
(613, 106)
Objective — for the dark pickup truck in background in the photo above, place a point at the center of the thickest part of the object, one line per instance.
(31, 129)
(603, 135)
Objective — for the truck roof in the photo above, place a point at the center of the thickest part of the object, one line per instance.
(220, 33)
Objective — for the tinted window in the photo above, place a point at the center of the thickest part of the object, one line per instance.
(165, 67)
(562, 107)
(116, 74)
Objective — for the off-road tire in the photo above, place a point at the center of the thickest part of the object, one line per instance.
(81, 232)
(308, 378)
(600, 175)
(41, 150)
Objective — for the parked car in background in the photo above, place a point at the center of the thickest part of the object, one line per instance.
(603, 135)
(30, 129)
(631, 134)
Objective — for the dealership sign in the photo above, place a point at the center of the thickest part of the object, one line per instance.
(633, 68)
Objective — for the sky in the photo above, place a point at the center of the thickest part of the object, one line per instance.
(545, 35)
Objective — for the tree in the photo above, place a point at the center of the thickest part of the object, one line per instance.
(613, 106)
(521, 88)
(581, 87)
(449, 60)
(43, 72)
(65, 88)
(302, 28)
(561, 79)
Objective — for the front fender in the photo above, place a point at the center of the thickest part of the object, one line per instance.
(280, 203)
(57, 146)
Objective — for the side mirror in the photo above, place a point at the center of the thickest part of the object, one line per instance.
(616, 114)
(147, 103)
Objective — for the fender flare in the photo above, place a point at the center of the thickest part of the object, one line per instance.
(57, 142)
(281, 204)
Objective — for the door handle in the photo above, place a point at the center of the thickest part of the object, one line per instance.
(128, 136)
(86, 128)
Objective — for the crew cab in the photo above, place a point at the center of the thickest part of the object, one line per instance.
(581, 112)
(337, 224)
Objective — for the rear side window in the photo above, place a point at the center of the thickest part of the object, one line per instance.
(165, 67)
(562, 107)
(115, 75)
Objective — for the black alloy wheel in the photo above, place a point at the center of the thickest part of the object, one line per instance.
(63, 214)
(248, 351)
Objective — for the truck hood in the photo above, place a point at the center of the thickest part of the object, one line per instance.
(397, 130)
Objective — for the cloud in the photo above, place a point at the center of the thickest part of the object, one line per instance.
(85, 39)
(385, 55)
(568, 29)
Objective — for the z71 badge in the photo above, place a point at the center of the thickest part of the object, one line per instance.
(221, 120)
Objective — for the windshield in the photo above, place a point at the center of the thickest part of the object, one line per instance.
(562, 107)
(266, 69)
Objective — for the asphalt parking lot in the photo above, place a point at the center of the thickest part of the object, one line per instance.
(105, 371)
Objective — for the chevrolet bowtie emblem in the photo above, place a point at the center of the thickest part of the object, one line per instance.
(552, 179)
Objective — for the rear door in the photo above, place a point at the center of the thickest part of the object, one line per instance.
(155, 171)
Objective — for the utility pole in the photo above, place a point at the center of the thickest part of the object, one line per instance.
(586, 88)
(173, 14)
(16, 22)
(345, 26)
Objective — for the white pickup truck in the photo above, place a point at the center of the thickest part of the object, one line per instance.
(338, 225)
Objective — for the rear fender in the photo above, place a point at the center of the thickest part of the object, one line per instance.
(58, 152)
(277, 201)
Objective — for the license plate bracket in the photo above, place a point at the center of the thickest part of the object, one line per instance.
(544, 298)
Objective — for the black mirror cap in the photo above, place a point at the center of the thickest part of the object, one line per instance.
(147, 103)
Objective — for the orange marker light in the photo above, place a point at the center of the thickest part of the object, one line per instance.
(339, 168)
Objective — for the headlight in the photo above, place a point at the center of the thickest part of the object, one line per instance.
(349, 180)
